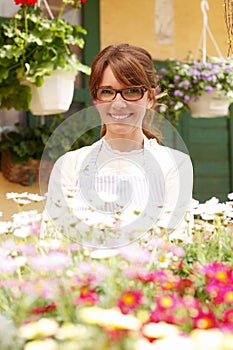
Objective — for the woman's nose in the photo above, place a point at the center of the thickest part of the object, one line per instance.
(119, 104)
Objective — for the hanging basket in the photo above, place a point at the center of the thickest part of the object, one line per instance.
(210, 105)
(55, 95)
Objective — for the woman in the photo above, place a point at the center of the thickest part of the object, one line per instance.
(117, 189)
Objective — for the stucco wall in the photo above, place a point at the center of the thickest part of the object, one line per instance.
(134, 21)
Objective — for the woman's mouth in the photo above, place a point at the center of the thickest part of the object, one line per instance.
(120, 116)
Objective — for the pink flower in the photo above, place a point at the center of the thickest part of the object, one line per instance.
(139, 273)
(135, 254)
(228, 316)
(91, 272)
(87, 296)
(51, 262)
(9, 265)
(46, 288)
(205, 320)
(219, 272)
(167, 301)
(130, 300)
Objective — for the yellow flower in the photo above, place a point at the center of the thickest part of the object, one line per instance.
(48, 344)
(111, 318)
(211, 339)
(39, 329)
(159, 330)
(70, 331)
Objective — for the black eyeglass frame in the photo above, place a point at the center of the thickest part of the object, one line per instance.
(120, 91)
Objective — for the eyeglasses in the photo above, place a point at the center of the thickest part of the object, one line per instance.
(129, 94)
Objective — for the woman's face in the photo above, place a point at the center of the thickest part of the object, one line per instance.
(123, 119)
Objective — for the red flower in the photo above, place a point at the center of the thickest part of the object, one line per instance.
(129, 301)
(25, 2)
(83, 1)
(44, 309)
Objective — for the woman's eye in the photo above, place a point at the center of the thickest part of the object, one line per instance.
(106, 92)
(133, 91)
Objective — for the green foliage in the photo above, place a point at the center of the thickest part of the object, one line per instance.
(31, 47)
(29, 142)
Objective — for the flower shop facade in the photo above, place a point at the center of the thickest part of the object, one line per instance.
(168, 29)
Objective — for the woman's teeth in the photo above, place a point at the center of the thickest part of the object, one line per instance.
(119, 116)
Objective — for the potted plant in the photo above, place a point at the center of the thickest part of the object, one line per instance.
(204, 89)
(32, 48)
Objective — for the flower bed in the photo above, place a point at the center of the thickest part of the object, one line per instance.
(157, 293)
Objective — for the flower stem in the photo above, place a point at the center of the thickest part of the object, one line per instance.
(61, 11)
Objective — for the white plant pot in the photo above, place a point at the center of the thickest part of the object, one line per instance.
(55, 95)
(210, 105)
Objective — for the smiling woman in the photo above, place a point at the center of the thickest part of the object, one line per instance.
(119, 188)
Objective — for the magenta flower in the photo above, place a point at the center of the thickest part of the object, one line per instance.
(129, 301)
(87, 296)
(205, 320)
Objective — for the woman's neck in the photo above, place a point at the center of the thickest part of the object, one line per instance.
(125, 143)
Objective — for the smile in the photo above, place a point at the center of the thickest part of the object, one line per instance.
(120, 117)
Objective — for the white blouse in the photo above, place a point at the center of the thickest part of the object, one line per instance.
(96, 191)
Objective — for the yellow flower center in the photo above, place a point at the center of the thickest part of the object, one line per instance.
(221, 276)
(128, 299)
(204, 323)
(166, 302)
(228, 297)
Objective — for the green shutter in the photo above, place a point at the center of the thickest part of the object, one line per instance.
(91, 22)
(210, 145)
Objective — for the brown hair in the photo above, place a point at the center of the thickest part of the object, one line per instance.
(132, 66)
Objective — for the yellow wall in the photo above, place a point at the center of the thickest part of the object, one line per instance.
(133, 21)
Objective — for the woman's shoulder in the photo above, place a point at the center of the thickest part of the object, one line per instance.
(167, 155)
(72, 158)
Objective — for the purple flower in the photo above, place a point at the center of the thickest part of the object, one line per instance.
(177, 77)
(208, 88)
(163, 70)
(178, 93)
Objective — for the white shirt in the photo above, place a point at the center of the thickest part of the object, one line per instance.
(129, 192)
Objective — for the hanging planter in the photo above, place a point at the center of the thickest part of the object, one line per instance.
(202, 86)
(210, 105)
(55, 95)
(35, 46)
